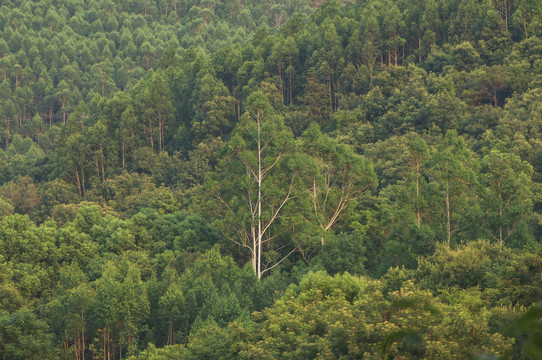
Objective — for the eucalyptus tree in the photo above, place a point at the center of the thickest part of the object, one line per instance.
(252, 192)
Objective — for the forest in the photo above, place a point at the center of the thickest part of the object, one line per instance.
(270, 179)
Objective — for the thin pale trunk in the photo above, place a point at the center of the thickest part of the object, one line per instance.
(254, 254)
(419, 50)
(170, 334)
(78, 181)
(337, 98)
(330, 93)
(506, 14)
(103, 164)
(259, 201)
(150, 130)
(314, 196)
(280, 83)
(389, 57)
(500, 213)
(291, 69)
(525, 24)
(97, 163)
(123, 154)
(76, 349)
(159, 132)
(83, 180)
(395, 51)
(83, 333)
(7, 128)
(254, 238)
(418, 216)
(448, 225)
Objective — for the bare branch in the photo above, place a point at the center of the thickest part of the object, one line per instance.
(278, 263)
(265, 171)
(286, 199)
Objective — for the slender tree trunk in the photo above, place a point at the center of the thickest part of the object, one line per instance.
(337, 98)
(255, 253)
(83, 333)
(150, 130)
(83, 180)
(259, 200)
(123, 151)
(291, 70)
(419, 50)
(254, 240)
(395, 50)
(105, 336)
(500, 214)
(103, 163)
(525, 23)
(97, 163)
(389, 57)
(78, 181)
(418, 216)
(280, 84)
(506, 6)
(76, 347)
(170, 334)
(160, 131)
(330, 93)
(133, 142)
(448, 225)
(7, 128)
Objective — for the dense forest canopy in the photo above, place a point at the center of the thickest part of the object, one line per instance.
(232, 179)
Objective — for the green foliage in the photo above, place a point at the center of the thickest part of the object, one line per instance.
(343, 252)
(24, 336)
(508, 197)
(121, 304)
(169, 168)
(348, 317)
